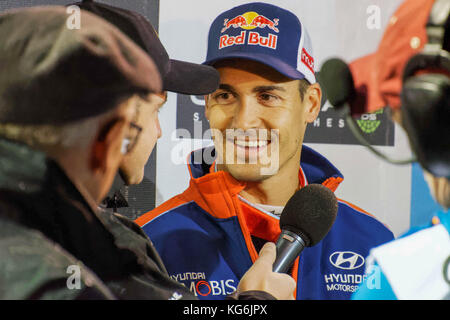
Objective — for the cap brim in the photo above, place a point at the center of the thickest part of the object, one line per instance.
(268, 60)
(190, 78)
(368, 98)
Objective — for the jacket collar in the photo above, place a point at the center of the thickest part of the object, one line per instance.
(21, 168)
(314, 167)
(215, 191)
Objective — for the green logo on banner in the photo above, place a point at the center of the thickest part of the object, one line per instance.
(369, 122)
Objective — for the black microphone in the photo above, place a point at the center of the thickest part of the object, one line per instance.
(305, 220)
(337, 82)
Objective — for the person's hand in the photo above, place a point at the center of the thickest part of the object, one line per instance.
(261, 277)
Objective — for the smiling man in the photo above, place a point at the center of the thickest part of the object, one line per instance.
(209, 235)
(261, 117)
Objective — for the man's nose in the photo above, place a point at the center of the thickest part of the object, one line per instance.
(247, 115)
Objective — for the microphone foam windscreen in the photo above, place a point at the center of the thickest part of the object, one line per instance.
(310, 213)
(337, 81)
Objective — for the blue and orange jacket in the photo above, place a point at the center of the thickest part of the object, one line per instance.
(206, 236)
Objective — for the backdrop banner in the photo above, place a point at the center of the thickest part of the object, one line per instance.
(348, 29)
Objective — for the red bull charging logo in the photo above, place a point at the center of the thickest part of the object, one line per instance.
(248, 21)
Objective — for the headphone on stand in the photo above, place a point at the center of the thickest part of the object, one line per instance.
(425, 95)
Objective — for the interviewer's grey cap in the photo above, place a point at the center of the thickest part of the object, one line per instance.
(51, 73)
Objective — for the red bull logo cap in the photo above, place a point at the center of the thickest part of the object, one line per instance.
(265, 33)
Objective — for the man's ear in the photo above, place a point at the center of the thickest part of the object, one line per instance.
(312, 101)
(107, 146)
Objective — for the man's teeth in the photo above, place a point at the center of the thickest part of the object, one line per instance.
(251, 144)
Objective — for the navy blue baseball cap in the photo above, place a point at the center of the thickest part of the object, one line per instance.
(265, 33)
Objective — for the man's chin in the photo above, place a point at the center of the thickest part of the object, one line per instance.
(246, 172)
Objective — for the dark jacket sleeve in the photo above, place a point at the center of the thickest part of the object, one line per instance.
(34, 267)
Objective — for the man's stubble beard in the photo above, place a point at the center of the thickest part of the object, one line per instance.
(252, 172)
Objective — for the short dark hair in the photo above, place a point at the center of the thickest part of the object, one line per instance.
(303, 87)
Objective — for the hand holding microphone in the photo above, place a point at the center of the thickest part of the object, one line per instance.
(261, 277)
(305, 220)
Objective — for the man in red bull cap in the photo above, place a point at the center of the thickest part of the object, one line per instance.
(258, 116)
(186, 78)
(410, 72)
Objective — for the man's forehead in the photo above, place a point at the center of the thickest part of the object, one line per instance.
(236, 66)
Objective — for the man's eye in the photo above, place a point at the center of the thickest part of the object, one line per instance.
(266, 97)
(223, 97)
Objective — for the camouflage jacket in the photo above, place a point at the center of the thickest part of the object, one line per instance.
(54, 245)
